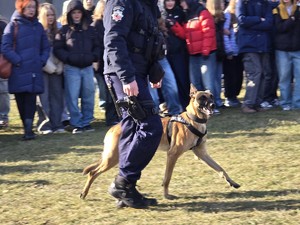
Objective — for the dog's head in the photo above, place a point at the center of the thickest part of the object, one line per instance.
(201, 103)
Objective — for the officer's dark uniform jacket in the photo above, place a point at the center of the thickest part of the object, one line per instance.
(128, 25)
(77, 44)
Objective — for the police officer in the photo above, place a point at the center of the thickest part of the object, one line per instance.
(129, 25)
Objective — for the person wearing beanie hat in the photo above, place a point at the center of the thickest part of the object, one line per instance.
(28, 56)
(77, 46)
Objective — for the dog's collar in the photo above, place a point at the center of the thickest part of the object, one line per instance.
(195, 118)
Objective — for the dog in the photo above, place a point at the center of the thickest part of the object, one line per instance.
(180, 134)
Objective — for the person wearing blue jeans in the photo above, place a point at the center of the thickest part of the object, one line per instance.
(4, 103)
(203, 71)
(288, 65)
(77, 46)
(287, 53)
(169, 90)
(80, 83)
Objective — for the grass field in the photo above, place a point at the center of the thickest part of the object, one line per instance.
(41, 180)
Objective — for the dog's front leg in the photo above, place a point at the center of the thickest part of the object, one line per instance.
(201, 153)
(172, 156)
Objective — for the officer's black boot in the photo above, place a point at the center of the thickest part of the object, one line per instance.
(127, 194)
(29, 134)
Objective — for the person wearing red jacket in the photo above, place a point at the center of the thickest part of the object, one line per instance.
(199, 33)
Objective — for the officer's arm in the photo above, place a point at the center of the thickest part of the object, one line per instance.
(118, 18)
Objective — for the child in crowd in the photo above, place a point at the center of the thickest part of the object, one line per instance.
(77, 46)
(51, 103)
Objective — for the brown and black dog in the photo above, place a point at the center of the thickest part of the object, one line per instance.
(181, 133)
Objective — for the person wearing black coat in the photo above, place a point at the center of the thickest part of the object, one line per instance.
(77, 46)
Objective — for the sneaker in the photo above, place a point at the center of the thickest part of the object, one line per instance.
(77, 130)
(232, 102)
(3, 124)
(217, 112)
(247, 110)
(275, 102)
(45, 131)
(69, 128)
(66, 123)
(266, 105)
(287, 108)
(88, 128)
(59, 131)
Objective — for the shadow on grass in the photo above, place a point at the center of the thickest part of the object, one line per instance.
(49, 147)
(34, 182)
(29, 168)
(199, 204)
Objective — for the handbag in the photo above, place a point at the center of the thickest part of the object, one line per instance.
(5, 65)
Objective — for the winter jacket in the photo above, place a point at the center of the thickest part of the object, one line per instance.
(230, 43)
(76, 44)
(29, 56)
(287, 35)
(98, 24)
(198, 30)
(174, 43)
(254, 33)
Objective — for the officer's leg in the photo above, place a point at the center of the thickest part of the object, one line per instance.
(138, 143)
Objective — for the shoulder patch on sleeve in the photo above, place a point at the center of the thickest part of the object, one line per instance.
(117, 14)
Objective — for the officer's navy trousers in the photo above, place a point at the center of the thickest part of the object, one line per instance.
(139, 139)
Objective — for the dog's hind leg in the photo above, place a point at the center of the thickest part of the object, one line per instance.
(201, 153)
(110, 158)
(106, 164)
(172, 157)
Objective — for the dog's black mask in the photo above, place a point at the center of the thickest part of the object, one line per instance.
(206, 102)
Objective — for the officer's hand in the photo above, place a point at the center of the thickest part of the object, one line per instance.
(157, 85)
(131, 89)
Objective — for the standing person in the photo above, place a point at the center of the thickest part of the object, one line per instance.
(200, 37)
(169, 89)
(51, 103)
(89, 7)
(270, 98)
(128, 56)
(4, 95)
(111, 115)
(176, 51)
(254, 42)
(28, 58)
(77, 46)
(216, 8)
(232, 65)
(287, 53)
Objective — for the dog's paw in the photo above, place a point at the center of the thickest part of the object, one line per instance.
(235, 185)
(82, 196)
(170, 197)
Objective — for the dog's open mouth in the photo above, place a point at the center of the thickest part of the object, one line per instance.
(207, 110)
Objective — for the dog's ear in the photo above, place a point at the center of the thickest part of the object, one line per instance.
(193, 90)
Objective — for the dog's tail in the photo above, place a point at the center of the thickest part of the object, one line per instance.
(89, 168)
